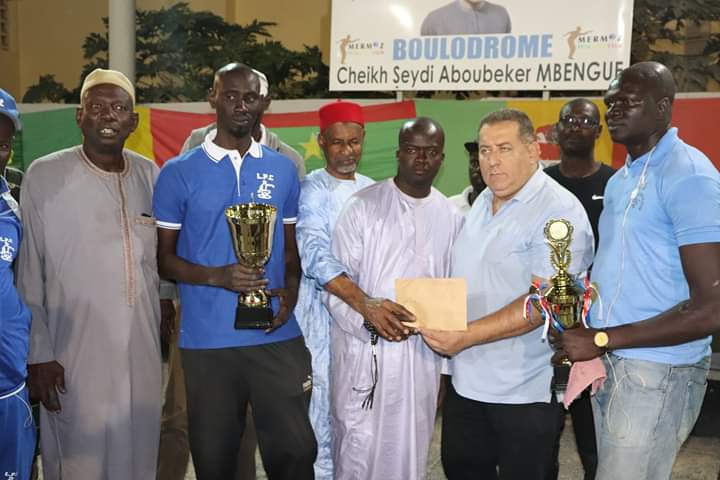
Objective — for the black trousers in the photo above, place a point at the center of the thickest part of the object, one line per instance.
(584, 429)
(276, 380)
(490, 441)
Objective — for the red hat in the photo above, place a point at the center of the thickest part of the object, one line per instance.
(340, 111)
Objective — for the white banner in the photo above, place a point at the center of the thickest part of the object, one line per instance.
(478, 45)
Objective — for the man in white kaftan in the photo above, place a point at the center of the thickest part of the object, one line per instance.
(323, 194)
(398, 228)
(88, 272)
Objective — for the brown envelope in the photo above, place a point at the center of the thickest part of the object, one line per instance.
(438, 303)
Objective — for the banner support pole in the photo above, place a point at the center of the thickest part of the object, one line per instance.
(546, 95)
(399, 96)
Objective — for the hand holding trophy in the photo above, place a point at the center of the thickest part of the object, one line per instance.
(565, 303)
(252, 226)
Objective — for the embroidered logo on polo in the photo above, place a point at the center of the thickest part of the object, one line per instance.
(7, 251)
(10, 475)
(264, 191)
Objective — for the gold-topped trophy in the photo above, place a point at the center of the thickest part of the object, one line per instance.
(565, 303)
(252, 226)
(562, 295)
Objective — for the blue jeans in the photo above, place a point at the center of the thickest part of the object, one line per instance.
(643, 414)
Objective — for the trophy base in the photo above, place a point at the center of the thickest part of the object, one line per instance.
(561, 375)
(259, 318)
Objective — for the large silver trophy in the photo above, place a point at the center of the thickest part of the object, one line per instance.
(252, 226)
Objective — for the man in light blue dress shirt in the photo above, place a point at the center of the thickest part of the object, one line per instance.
(658, 269)
(499, 412)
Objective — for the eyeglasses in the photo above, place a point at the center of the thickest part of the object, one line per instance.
(581, 122)
(622, 103)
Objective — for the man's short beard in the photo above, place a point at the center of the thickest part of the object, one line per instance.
(239, 131)
(347, 169)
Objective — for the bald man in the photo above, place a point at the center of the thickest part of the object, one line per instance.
(261, 134)
(384, 381)
(226, 367)
(658, 268)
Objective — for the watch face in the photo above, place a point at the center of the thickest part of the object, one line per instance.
(601, 339)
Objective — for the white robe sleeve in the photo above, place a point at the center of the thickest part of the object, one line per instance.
(347, 248)
(314, 237)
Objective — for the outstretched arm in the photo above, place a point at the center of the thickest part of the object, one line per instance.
(348, 304)
(505, 323)
(385, 315)
(691, 319)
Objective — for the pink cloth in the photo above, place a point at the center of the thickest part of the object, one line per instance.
(591, 372)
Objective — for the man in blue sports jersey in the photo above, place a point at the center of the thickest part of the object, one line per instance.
(17, 429)
(226, 368)
(658, 270)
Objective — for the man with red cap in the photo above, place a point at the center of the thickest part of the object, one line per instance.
(323, 194)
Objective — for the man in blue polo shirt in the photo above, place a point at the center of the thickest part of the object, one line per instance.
(226, 368)
(17, 429)
(658, 269)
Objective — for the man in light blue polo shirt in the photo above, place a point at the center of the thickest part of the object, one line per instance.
(658, 270)
(226, 368)
(499, 411)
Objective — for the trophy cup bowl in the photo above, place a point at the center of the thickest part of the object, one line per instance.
(252, 226)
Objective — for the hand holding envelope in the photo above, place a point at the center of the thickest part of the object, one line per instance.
(437, 303)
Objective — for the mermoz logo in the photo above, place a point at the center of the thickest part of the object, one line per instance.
(578, 39)
(354, 46)
(359, 45)
(609, 39)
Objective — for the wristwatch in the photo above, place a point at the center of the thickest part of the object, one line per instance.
(601, 339)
